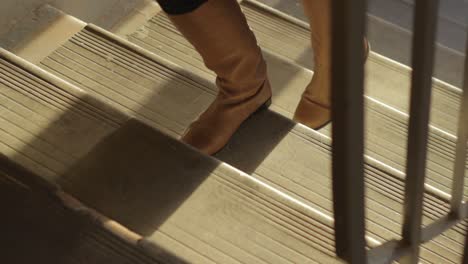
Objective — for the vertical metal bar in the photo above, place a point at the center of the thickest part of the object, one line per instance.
(460, 158)
(465, 251)
(421, 86)
(348, 128)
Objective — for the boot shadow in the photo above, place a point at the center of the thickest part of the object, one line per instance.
(137, 176)
(255, 140)
(38, 224)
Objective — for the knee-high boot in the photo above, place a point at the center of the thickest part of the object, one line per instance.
(219, 32)
(314, 108)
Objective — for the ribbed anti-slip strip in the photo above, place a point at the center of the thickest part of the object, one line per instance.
(48, 231)
(163, 39)
(386, 127)
(280, 225)
(90, 58)
(291, 39)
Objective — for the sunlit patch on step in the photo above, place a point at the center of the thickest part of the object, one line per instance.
(49, 29)
(170, 194)
(46, 128)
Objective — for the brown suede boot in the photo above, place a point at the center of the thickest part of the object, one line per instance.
(314, 108)
(219, 32)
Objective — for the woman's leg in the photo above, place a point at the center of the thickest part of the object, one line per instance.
(314, 108)
(219, 32)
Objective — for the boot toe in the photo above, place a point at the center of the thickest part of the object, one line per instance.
(311, 114)
(203, 140)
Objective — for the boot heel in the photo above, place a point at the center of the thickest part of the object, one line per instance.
(266, 104)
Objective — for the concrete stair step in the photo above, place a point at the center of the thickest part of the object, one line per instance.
(386, 128)
(37, 223)
(387, 145)
(389, 29)
(451, 24)
(387, 81)
(168, 97)
(269, 146)
(399, 12)
(180, 202)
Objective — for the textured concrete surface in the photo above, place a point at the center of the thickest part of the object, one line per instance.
(389, 27)
(46, 34)
(37, 228)
(451, 23)
(191, 205)
(17, 18)
(390, 32)
(199, 208)
(168, 98)
(385, 82)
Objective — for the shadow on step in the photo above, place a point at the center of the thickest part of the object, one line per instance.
(128, 171)
(37, 228)
(137, 176)
(255, 140)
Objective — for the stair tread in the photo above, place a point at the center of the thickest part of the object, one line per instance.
(203, 211)
(385, 81)
(386, 128)
(180, 92)
(207, 206)
(451, 21)
(392, 38)
(32, 213)
(159, 95)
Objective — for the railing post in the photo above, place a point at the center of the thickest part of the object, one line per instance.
(465, 251)
(458, 184)
(421, 85)
(348, 128)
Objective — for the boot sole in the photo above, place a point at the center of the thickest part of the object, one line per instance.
(263, 107)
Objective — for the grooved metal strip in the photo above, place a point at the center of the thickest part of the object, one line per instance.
(389, 83)
(386, 127)
(378, 112)
(86, 65)
(19, 79)
(224, 213)
(233, 218)
(95, 243)
(118, 72)
(36, 113)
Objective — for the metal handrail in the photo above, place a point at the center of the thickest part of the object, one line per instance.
(348, 128)
(348, 140)
(460, 159)
(421, 87)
